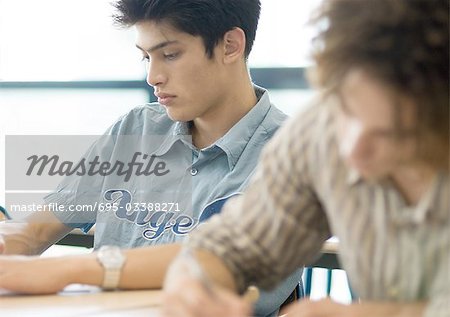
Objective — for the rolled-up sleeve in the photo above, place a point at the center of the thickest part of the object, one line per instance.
(279, 223)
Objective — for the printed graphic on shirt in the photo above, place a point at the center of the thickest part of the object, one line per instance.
(157, 218)
(214, 208)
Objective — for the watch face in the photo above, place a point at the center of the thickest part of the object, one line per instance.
(111, 257)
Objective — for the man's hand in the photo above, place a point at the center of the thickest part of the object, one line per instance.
(191, 299)
(33, 235)
(34, 275)
(188, 292)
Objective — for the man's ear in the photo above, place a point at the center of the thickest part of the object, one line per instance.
(234, 45)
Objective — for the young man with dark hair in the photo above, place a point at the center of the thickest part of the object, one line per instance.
(368, 164)
(196, 53)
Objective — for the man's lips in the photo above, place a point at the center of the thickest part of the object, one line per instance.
(164, 98)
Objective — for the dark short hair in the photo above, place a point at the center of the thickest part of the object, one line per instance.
(209, 19)
(402, 43)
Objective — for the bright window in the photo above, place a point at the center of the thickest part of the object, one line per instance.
(70, 40)
(283, 38)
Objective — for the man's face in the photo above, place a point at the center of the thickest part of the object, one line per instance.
(367, 137)
(187, 82)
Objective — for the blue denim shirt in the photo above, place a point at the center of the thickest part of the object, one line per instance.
(205, 177)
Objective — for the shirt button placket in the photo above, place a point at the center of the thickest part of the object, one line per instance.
(194, 171)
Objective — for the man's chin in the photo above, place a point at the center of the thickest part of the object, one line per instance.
(175, 116)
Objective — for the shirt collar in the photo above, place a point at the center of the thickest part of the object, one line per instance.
(433, 202)
(178, 131)
(429, 206)
(236, 139)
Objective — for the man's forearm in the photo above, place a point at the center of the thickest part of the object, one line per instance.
(146, 267)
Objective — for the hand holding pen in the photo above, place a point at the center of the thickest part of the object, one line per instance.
(190, 292)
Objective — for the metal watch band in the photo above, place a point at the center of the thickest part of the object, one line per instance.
(112, 260)
(111, 279)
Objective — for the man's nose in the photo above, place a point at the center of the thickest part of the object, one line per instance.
(155, 74)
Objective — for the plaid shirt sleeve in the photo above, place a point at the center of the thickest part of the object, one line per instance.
(279, 223)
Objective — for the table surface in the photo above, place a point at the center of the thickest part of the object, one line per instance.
(87, 301)
(82, 302)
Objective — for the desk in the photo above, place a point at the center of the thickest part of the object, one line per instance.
(83, 304)
(94, 303)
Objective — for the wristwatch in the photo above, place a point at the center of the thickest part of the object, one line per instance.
(112, 259)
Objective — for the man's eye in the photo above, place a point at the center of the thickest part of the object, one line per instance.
(145, 58)
(171, 56)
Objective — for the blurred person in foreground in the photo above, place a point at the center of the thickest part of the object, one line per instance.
(368, 163)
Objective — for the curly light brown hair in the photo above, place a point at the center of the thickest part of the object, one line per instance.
(402, 43)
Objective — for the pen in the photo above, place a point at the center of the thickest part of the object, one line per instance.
(3, 211)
